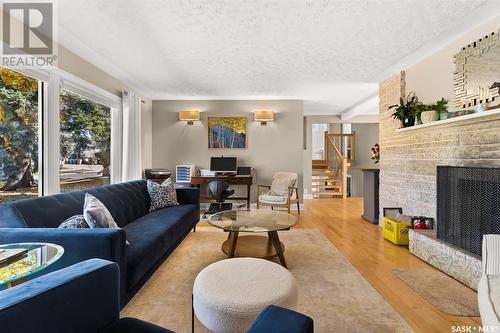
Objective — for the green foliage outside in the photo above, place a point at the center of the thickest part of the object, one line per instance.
(85, 126)
(18, 129)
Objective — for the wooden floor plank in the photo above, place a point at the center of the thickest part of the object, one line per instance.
(363, 245)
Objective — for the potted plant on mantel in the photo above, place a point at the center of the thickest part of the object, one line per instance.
(436, 111)
(408, 110)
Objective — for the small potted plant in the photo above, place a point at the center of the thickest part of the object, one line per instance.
(408, 110)
(436, 111)
(441, 108)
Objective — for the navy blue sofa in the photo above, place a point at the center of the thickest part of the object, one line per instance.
(84, 298)
(152, 236)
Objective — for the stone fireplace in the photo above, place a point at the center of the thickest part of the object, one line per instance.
(468, 206)
(408, 173)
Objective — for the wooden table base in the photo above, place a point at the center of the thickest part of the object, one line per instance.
(255, 246)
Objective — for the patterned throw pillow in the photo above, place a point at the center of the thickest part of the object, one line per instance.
(163, 195)
(74, 222)
(97, 215)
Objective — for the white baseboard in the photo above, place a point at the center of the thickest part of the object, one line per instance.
(308, 196)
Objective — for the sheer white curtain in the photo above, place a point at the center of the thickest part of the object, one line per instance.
(131, 144)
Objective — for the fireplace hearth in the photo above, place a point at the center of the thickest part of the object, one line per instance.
(468, 205)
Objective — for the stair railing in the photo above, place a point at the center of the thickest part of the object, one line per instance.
(345, 143)
(337, 162)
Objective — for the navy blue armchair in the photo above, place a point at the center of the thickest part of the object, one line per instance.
(275, 319)
(85, 298)
(82, 298)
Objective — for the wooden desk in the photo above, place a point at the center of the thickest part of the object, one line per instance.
(231, 180)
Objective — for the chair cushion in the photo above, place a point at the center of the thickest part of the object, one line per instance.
(152, 235)
(133, 325)
(488, 295)
(275, 199)
(280, 186)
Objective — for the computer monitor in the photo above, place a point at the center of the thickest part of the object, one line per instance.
(223, 164)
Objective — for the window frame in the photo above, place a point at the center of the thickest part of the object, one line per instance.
(51, 81)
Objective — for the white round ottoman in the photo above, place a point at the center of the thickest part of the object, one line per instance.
(228, 295)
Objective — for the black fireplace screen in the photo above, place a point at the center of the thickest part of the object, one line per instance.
(468, 205)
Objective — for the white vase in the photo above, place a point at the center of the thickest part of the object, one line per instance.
(429, 116)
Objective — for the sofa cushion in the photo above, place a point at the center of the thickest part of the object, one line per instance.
(153, 234)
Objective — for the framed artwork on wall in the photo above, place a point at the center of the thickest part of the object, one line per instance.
(227, 132)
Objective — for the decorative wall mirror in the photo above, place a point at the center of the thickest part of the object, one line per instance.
(477, 73)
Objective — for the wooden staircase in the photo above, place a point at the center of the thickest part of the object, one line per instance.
(329, 175)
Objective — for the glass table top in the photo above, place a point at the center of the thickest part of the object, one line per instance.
(252, 221)
(33, 258)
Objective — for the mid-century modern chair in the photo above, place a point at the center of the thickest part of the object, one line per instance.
(218, 189)
(283, 192)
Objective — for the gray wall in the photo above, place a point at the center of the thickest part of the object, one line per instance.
(366, 137)
(275, 147)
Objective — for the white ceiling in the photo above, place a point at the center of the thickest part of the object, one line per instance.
(329, 53)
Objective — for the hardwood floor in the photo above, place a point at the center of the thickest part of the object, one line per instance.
(363, 245)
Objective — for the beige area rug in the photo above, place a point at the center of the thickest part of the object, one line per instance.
(331, 290)
(443, 292)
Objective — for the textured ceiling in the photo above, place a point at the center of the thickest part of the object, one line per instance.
(326, 52)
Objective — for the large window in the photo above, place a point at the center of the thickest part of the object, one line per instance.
(19, 136)
(56, 134)
(85, 143)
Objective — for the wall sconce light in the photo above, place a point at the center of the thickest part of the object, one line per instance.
(263, 116)
(189, 116)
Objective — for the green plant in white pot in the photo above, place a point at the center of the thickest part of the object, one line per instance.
(436, 111)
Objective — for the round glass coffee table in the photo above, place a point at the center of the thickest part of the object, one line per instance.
(253, 221)
(24, 260)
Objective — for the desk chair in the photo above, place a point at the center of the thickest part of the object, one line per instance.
(218, 189)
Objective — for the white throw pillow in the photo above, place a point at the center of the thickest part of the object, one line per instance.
(97, 215)
(163, 195)
(280, 186)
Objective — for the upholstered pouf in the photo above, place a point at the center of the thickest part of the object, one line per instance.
(228, 295)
